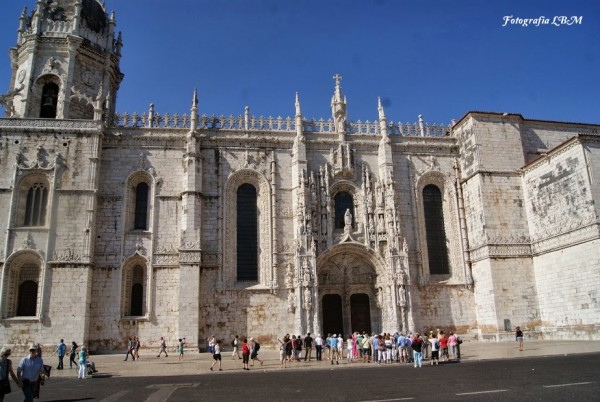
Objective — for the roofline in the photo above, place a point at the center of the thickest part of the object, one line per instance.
(576, 138)
(520, 116)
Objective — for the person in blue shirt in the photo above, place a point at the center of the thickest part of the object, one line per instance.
(61, 351)
(30, 369)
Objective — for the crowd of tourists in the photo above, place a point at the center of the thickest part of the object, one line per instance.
(358, 347)
(383, 348)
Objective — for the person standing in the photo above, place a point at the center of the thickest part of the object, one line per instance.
(72, 355)
(82, 363)
(332, 346)
(6, 370)
(180, 346)
(417, 345)
(453, 344)
(308, 347)
(443, 346)
(216, 355)
(319, 347)
(519, 338)
(435, 349)
(254, 348)
(163, 347)
(30, 369)
(245, 354)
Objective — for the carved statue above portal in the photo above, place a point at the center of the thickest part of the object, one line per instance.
(347, 220)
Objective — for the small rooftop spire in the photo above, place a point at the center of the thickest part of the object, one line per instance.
(195, 98)
(298, 111)
(380, 109)
(382, 120)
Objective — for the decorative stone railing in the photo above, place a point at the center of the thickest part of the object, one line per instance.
(272, 124)
(45, 124)
(56, 28)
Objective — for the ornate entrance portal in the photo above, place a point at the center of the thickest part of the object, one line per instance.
(360, 308)
(347, 292)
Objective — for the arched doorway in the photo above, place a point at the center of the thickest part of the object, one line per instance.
(360, 316)
(333, 322)
(347, 280)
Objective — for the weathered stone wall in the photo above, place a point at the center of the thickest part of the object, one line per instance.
(559, 200)
(569, 297)
(448, 307)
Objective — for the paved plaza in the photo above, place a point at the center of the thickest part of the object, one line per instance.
(199, 363)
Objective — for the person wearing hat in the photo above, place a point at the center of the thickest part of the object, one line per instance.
(6, 370)
(30, 369)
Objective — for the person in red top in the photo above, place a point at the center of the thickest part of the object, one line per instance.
(245, 353)
(417, 345)
(443, 346)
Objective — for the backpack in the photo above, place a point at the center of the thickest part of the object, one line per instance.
(233, 343)
(256, 346)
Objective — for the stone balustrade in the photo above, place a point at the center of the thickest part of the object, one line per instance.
(275, 124)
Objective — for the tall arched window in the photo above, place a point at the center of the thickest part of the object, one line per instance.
(141, 207)
(49, 101)
(435, 232)
(27, 299)
(247, 233)
(35, 207)
(343, 201)
(136, 302)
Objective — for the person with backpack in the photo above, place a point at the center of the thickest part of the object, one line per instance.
(254, 348)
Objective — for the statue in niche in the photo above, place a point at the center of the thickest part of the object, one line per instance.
(307, 298)
(381, 224)
(300, 217)
(305, 273)
(371, 225)
(379, 297)
(347, 219)
(291, 301)
(402, 296)
(289, 276)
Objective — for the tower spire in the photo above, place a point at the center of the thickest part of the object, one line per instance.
(382, 120)
(299, 127)
(338, 106)
(194, 110)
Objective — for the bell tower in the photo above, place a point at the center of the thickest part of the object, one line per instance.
(66, 62)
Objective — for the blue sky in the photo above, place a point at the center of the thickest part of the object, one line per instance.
(436, 58)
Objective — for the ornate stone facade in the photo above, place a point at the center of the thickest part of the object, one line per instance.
(137, 224)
